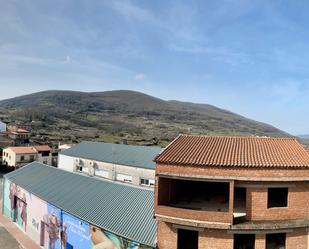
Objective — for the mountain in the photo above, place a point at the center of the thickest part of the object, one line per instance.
(304, 139)
(303, 136)
(115, 116)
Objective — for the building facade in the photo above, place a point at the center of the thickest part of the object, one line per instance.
(63, 210)
(18, 156)
(2, 127)
(232, 193)
(19, 135)
(125, 163)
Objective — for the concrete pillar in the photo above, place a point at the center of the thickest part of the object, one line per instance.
(231, 200)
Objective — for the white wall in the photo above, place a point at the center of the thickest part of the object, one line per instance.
(106, 170)
(2, 127)
(66, 163)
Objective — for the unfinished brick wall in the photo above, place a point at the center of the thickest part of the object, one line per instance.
(257, 210)
(298, 204)
(298, 239)
(208, 239)
(167, 236)
(222, 239)
(260, 241)
(231, 171)
(215, 239)
(220, 217)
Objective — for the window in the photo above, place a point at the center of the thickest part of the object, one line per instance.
(244, 241)
(187, 239)
(31, 158)
(123, 178)
(22, 158)
(101, 173)
(151, 182)
(144, 181)
(147, 182)
(79, 168)
(277, 197)
(276, 240)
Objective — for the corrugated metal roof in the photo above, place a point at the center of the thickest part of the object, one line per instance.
(121, 209)
(131, 155)
(235, 151)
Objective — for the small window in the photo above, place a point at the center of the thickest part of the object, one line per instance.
(31, 158)
(101, 173)
(79, 168)
(123, 178)
(147, 182)
(276, 240)
(144, 181)
(22, 158)
(277, 197)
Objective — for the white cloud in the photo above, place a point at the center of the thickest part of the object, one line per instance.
(140, 76)
(67, 59)
(128, 9)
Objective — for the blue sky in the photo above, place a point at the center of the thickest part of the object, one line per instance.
(250, 57)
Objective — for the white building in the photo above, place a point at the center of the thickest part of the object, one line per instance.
(2, 127)
(118, 162)
(19, 156)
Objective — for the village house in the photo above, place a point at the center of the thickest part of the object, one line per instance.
(18, 156)
(125, 163)
(5, 142)
(232, 193)
(19, 135)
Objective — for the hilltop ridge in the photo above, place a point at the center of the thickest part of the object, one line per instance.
(114, 116)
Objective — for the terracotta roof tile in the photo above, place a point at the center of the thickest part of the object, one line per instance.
(40, 148)
(235, 151)
(23, 150)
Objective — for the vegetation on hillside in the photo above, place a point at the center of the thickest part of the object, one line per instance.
(118, 116)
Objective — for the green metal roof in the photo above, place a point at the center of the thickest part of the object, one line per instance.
(119, 208)
(131, 155)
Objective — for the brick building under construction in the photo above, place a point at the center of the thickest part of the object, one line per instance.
(232, 192)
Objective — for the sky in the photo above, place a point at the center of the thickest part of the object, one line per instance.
(248, 56)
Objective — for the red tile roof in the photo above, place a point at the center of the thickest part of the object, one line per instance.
(235, 151)
(41, 148)
(23, 150)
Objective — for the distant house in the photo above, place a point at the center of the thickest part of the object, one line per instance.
(19, 135)
(18, 156)
(125, 163)
(63, 147)
(5, 142)
(2, 127)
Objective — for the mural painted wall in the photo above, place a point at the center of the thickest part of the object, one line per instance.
(53, 228)
(40, 220)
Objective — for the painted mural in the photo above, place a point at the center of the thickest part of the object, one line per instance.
(53, 228)
(40, 220)
(78, 234)
(15, 204)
